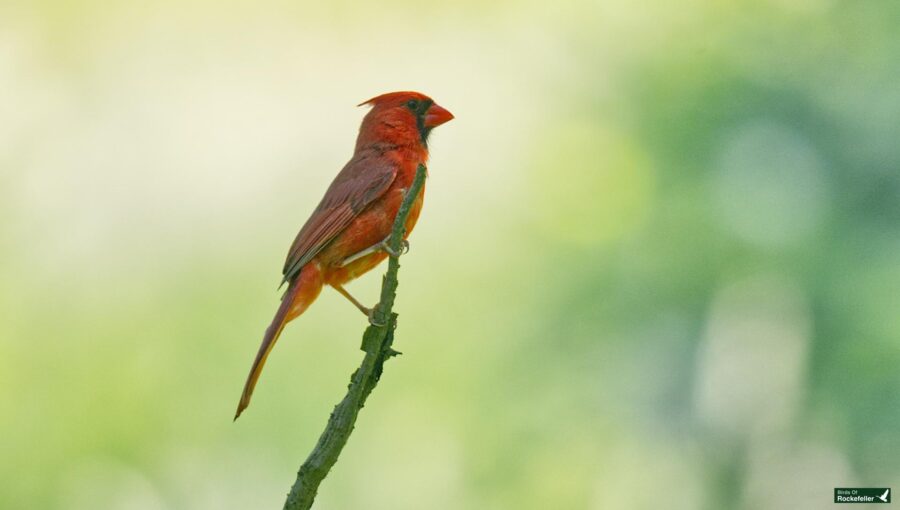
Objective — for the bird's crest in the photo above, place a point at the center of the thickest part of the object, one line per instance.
(394, 96)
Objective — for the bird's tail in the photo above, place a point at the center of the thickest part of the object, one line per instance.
(299, 295)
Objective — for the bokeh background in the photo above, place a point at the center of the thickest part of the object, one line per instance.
(658, 266)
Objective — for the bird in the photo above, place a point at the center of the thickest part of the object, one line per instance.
(346, 235)
(884, 497)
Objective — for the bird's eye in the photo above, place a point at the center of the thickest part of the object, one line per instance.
(412, 104)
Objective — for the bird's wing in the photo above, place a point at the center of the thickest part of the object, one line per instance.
(365, 178)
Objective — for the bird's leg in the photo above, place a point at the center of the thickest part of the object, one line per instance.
(368, 312)
(382, 246)
(365, 310)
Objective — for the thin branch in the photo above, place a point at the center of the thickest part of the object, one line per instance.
(376, 343)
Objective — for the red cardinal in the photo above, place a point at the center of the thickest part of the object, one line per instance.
(345, 236)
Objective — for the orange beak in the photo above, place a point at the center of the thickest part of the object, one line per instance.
(436, 115)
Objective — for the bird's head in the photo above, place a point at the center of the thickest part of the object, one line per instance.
(402, 117)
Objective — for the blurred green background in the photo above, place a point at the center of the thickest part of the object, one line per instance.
(658, 266)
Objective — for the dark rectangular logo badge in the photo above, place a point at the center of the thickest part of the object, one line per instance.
(862, 495)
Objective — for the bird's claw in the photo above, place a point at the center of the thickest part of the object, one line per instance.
(372, 320)
(404, 248)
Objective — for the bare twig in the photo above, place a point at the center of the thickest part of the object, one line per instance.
(376, 343)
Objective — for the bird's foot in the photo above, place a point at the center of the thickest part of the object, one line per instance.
(382, 246)
(404, 248)
(373, 320)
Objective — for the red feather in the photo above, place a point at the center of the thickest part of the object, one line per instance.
(357, 211)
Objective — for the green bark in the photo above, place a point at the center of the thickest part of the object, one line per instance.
(376, 343)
